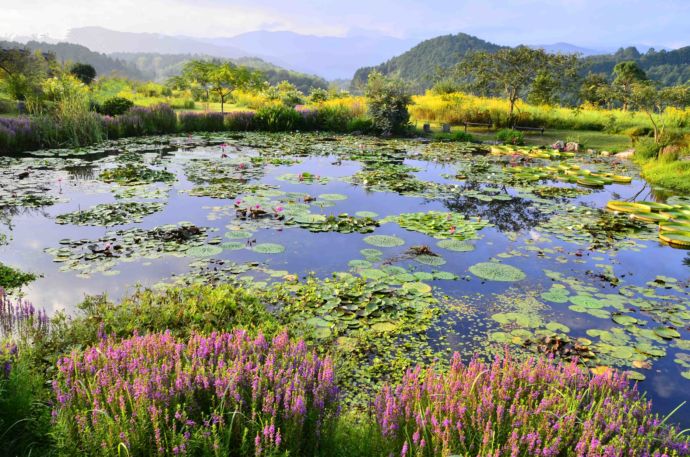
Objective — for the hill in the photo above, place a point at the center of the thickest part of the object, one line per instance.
(159, 67)
(68, 52)
(419, 65)
(667, 67)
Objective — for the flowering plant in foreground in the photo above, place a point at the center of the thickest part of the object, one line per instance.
(521, 408)
(223, 394)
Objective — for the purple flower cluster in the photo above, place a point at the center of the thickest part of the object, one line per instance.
(222, 394)
(17, 134)
(515, 408)
(240, 121)
(201, 122)
(21, 319)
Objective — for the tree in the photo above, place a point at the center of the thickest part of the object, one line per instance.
(22, 71)
(626, 74)
(654, 102)
(196, 76)
(387, 99)
(226, 78)
(512, 72)
(596, 90)
(544, 89)
(83, 72)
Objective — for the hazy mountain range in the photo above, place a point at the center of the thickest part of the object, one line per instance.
(157, 56)
(327, 56)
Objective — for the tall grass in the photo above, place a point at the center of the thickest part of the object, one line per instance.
(457, 108)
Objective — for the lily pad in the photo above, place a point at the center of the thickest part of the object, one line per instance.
(494, 271)
(269, 248)
(384, 241)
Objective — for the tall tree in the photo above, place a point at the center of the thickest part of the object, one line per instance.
(226, 78)
(626, 74)
(388, 99)
(21, 72)
(596, 90)
(512, 72)
(654, 102)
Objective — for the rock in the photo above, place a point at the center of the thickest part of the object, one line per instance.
(626, 154)
(572, 146)
(560, 145)
(605, 153)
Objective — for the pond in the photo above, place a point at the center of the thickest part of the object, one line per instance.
(509, 247)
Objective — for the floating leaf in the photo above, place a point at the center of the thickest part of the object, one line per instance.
(494, 271)
(269, 248)
(384, 241)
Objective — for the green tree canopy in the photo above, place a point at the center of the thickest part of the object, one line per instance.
(512, 72)
(84, 72)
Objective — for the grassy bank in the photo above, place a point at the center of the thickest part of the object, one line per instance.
(209, 371)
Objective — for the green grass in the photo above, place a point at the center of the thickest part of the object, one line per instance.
(670, 175)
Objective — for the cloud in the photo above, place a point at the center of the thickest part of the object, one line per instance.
(588, 22)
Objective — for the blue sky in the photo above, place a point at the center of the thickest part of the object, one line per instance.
(602, 23)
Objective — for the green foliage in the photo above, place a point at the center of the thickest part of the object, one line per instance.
(510, 136)
(516, 72)
(11, 278)
(183, 311)
(24, 412)
(84, 72)
(277, 118)
(419, 65)
(388, 99)
(115, 106)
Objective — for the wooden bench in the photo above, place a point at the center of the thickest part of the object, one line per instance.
(530, 129)
(488, 125)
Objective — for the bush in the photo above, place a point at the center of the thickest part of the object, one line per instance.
(278, 118)
(455, 136)
(361, 124)
(646, 148)
(333, 118)
(511, 407)
(115, 106)
(510, 136)
(387, 100)
(225, 394)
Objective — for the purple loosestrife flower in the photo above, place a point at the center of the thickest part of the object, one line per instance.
(511, 407)
(191, 391)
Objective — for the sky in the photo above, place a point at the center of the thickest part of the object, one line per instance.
(590, 23)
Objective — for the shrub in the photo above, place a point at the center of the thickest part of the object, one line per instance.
(646, 148)
(360, 124)
(455, 136)
(115, 106)
(511, 407)
(387, 100)
(510, 136)
(225, 394)
(278, 118)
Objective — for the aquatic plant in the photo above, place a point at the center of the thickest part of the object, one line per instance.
(530, 407)
(440, 225)
(110, 214)
(11, 278)
(222, 394)
(132, 174)
(494, 271)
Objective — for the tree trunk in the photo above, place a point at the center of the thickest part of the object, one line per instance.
(222, 105)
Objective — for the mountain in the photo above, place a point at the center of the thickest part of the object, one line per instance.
(104, 40)
(419, 65)
(159, 67)
(667, 67)
(329, 56)
(566, 48)
(69, 52)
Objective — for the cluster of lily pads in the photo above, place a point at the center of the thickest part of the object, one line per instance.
(673, 220)
(570, 173)
(111, 214)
